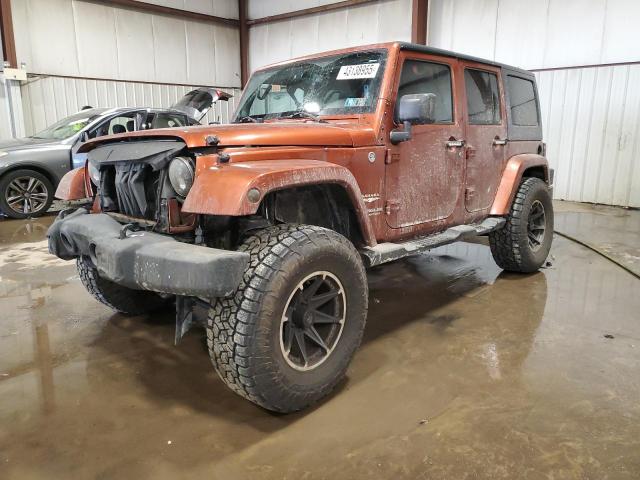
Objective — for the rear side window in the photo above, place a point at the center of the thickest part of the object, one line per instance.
(168, 120)
(426, 77)
(483, 97)
(522, 96)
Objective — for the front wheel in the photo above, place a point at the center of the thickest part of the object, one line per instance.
(121, 299)
(523, 244)
(285, 339)
(25, 193)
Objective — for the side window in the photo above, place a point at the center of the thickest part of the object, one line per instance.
(522, 97)
(483, 97)
(168, 120)
(120, 124)
(426, 77)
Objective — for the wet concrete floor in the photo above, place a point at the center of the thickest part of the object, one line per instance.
(464, 372)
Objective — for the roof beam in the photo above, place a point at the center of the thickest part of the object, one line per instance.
(162, 10)
(8, 40)
(308, 11)
(244, 43)
(419, 12)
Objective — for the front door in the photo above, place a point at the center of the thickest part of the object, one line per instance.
(424, 175)
(486, 132)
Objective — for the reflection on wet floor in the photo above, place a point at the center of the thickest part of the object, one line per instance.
(465, 372)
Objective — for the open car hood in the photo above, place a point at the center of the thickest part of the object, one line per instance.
(256, 134)
(198, 102)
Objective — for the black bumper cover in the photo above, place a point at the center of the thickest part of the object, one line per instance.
(145, 260)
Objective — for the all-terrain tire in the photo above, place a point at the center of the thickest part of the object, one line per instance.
(510, 245)
(121, 299)
(245, 331)
(45, 191)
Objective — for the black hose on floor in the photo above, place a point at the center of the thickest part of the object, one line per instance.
(599, 252)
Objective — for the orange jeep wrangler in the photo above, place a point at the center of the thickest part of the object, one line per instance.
(333, 163)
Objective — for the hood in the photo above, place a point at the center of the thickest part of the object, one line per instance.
(260, 134)
(27, 143)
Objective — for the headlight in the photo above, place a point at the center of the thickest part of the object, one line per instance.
(94, 174)
(181, 175)
(2, 154)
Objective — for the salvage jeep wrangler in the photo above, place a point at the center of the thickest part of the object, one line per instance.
(333, 163)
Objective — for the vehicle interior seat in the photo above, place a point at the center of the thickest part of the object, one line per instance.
(117, 128)
(130, 126)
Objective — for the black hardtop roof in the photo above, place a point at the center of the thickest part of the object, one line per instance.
(415, 47)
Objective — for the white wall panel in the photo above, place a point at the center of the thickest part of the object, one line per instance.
(6, 113)
(382, 21)
(227, 56)
(48, 99)
(591, 124)
(169, 38)
(540, 34)
(591, 116)
(96, 37)
(85, 39)
(267, 8)
(220, 8)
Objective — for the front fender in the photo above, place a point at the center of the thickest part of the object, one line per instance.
(222, 189)
(511, 178)
(73, 185)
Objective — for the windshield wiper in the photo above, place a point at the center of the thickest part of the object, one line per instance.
(303, 114)
(248, 119)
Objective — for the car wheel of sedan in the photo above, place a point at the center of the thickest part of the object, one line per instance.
(25, 193)
(285, 339)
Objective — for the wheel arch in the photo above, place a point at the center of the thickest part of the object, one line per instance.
(324, 205)
(31, 166)
(240, 189)
(517, 168)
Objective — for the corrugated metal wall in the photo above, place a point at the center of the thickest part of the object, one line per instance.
(11, 116)
(591, 116)
(47, 99)
(591, 122)
(86, 53)
(86, 39)
(220, 8)
(385, 20)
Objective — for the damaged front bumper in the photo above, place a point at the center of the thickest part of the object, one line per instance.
(144, 260)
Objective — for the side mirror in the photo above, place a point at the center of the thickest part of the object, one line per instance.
(84, 136)
(414, 109)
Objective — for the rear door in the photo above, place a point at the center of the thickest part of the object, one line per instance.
(486, 133)
(424, 175)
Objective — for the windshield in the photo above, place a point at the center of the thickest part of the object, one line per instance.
(336, 85)
(70, 125)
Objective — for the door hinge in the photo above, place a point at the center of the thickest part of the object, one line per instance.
(391, 157)
(391, 206)
(469, 193)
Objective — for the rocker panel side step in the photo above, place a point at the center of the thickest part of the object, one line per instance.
(388, 252)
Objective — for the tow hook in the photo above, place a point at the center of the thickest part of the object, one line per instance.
(129, 227)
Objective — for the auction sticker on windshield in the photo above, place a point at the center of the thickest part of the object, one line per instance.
(364, 70)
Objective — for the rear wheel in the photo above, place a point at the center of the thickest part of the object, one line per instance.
(121, 299)
(25, 193)
(523, 244)
(285, 339)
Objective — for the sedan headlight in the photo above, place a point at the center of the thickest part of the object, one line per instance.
(181, 175)
(94, 174)
(2, 154)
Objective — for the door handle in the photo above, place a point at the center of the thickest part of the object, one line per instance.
(497, 142)
(455, 143)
